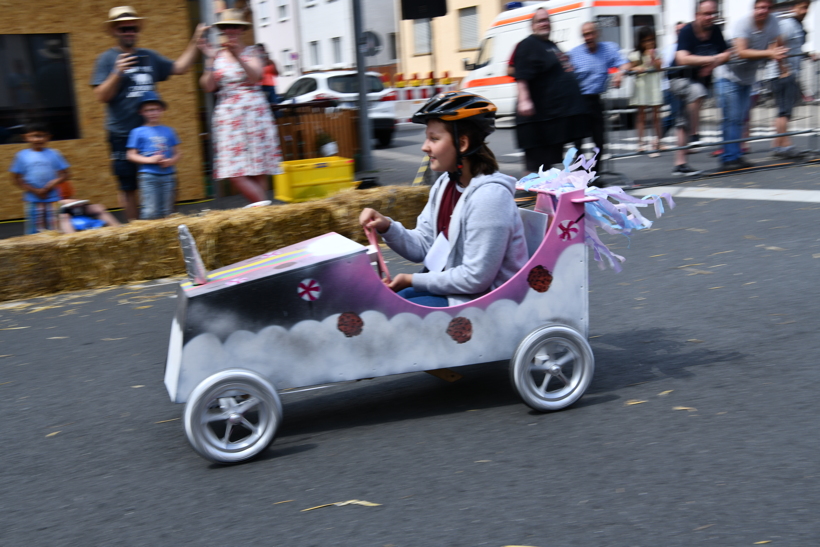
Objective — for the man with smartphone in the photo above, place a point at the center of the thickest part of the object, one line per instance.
(121, 76)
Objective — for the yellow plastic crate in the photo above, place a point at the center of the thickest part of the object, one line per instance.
(304, 180)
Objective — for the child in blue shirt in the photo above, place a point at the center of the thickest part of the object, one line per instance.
(154, 147)
(37, 171)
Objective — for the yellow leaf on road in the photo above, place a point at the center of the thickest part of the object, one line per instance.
(634, 402)
(52, 434)
(689, 408)
(667, 392)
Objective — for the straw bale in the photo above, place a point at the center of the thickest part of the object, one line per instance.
(399, 203)
(51, 262)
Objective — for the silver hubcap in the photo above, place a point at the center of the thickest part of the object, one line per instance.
(551, 369)
(234, 422)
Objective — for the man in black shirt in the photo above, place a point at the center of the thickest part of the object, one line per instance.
(701, 48)
(551, 111)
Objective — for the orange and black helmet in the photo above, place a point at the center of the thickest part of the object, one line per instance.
(457, 106)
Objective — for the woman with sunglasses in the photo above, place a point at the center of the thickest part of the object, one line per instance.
(246, 143)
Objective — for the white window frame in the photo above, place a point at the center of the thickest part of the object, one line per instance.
(282, 6)
(263, 12)
(315, 54)
(419, 27)
(288, 66)
(468, 23)
(338, 56)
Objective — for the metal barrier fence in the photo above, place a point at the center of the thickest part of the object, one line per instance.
(621, 132)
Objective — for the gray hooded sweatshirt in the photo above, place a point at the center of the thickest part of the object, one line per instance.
(487, 245)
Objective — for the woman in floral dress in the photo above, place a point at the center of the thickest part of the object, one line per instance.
(246, 143)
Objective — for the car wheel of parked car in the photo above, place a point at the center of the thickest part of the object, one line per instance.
(384, 138)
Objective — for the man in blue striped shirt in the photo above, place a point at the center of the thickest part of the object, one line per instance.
(592, 62)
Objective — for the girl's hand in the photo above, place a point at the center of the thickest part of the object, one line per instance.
(371, 218)
(401, 282)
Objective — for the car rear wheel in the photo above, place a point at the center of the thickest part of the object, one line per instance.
(552, 368)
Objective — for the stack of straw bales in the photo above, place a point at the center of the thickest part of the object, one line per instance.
(51, 262)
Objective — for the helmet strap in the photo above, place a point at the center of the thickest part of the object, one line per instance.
(456, 175)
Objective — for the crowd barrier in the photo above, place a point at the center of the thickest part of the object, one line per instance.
(621, 132)
(413, 92)
(49, 262)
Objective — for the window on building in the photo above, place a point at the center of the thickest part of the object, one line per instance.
(468, 28)
(610, 28)
(263, 12)
(639, 21)
(391, 46)
(421, 37)
(315, 54)
(282, 10)
(287, 63)
(337, 50)
(36, 85)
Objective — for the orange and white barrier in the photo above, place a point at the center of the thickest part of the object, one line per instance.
(414, 91)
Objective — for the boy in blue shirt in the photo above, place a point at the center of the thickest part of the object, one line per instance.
(37, 171)
(154, 148)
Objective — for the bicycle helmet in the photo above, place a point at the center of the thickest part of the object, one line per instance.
(456, 106)
(459, 106)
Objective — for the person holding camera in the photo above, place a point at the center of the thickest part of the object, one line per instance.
(121, 76)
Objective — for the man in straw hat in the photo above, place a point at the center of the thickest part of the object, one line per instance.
(121, 76)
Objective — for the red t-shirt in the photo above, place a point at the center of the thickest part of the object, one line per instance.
(448, 204)
(268, 75)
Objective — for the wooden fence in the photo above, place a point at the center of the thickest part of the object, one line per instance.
(300, 129)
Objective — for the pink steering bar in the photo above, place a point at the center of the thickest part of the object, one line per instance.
(373, 240)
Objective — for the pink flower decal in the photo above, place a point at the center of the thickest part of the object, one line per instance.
(309, 289)
(236, 281)
(569, 229)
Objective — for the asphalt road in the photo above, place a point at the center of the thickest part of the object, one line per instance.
(700, 426)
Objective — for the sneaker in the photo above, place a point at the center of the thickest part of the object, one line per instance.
(790, 153)
(716, 153)
(735, 165)
(695, 139)
(683, 170)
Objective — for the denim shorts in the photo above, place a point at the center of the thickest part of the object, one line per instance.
(156, 195)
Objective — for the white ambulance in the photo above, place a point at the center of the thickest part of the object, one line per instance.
(618, 20)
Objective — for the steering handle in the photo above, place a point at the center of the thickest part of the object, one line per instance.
(373, 240)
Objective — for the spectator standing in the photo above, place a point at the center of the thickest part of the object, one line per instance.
(37, 171)
(591, 62)
(786, 84)
(668, 60)
(550, 111)
(246, 144)
(701, 48)
(757, 39)
(121, 76)
(646, 93)
(269, 74)
(155, 149)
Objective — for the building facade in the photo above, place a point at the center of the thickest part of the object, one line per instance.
(317, 35)
(441, 44)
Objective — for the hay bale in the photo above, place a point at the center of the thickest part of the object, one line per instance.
(52, 262)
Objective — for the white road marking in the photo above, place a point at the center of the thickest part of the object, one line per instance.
(758, 194)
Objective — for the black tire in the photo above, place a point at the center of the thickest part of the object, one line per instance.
(384, 138)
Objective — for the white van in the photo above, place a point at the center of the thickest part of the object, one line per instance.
(619, 21)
